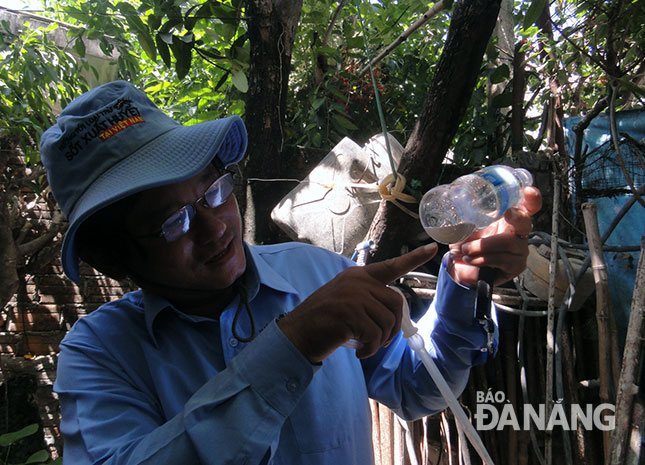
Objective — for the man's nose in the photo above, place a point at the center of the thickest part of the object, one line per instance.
(208, 225)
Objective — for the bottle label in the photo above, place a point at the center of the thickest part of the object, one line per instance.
(498, 179)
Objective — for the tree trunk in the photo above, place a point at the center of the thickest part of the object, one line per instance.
(471, 26)
(272, 26)
(517, 112)
(8, 251)
(505, 49)
(8, 256)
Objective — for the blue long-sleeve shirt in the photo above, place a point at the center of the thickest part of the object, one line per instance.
(141, 383)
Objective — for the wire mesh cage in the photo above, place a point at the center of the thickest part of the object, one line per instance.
(606, 173)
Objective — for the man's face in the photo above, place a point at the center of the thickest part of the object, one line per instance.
(207, 258)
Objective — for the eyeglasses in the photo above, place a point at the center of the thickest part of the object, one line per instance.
(178, 224)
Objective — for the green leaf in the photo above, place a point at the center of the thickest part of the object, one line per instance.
(75, 32)
(242, 54)
(188, 38)
(500, 74)
(33, 185)
(534, 12)
(148, 45)
(154, 21)
(344, 122)
(228, 31)
(165, 37)
(8, 439)
(240, 41)
(317, 103)
(337, 93)
(237, 64)
(164, 52)
(327, 51)
(502, 101)
(183, 53)
(38, 457)
(339, 108)
(79, 46)
(221, 81)
(131, 16)
(239, 80)
(174, 13)
(224, 13)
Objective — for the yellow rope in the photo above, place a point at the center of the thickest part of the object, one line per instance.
(394, 193)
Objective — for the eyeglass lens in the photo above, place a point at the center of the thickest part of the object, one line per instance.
(178, 223)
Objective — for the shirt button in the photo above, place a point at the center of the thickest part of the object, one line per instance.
(292, 385)
(233, 342)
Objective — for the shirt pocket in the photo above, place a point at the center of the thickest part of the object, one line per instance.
(334, 409)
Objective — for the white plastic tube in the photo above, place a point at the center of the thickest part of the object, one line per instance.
(415, 341)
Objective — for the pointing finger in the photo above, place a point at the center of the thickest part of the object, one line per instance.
(389, 270)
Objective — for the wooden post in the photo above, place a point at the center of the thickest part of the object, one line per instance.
(583, 451)
(629, 373)
(603, 312)
(550, 320)
(510, 372)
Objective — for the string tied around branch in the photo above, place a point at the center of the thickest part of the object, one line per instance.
(391, 189)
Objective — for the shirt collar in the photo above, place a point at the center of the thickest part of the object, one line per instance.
(258, 272)
(267, 275)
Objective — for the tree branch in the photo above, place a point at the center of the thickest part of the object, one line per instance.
(333, 21)
(436, 8)
(33, 246)
(581, 50)
(584, 123)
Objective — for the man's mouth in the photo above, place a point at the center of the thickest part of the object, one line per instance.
(220, 255)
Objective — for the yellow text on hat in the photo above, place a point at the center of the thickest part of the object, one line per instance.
(120, 126)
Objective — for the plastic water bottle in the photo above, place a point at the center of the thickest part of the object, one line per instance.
(451, 212)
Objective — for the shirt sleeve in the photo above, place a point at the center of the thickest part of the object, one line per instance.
(455, 340)
(233, 418)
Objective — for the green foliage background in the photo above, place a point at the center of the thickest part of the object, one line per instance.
(193, 58)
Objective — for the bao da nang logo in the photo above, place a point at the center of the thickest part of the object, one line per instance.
(494, 412)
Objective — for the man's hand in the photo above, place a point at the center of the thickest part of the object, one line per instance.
(502, 245)
(356, 304)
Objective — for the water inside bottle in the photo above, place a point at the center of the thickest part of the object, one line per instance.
(443, 217)
(450, 234)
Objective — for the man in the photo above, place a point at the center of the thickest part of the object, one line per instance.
(231, 353)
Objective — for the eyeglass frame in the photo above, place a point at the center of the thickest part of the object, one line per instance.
(228, 176)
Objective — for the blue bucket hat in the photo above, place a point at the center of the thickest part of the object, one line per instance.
(113, 141)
